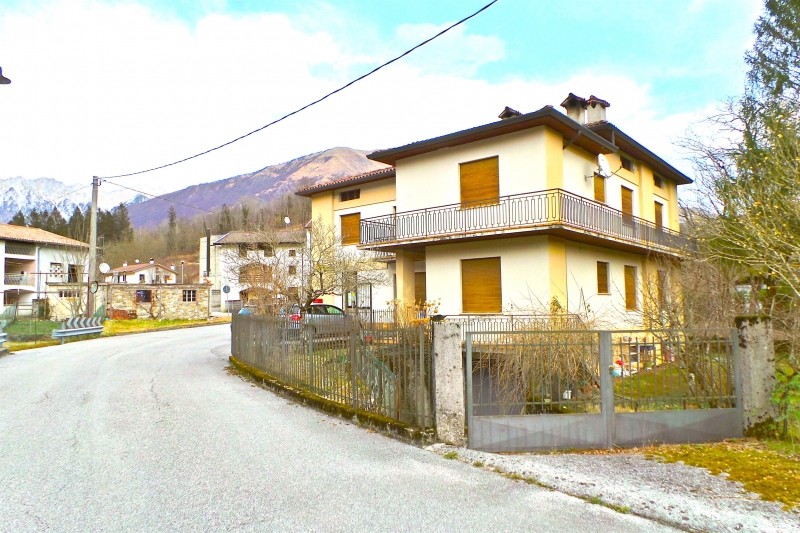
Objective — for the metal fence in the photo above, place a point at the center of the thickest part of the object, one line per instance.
(553, 207)
(380, 367)
(541, 390)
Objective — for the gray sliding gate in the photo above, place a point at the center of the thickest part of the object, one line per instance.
(550, 390)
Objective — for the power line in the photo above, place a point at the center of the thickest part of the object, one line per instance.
(284, 117)
(155, 196)
(70, 192)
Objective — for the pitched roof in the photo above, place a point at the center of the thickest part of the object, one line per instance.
(347, 181)
(10, 232)
(546, 116)
(249, 237)
(137, 267)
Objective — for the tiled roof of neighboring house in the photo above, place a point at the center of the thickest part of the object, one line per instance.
(10, 232)
(366, 177)
(610, 132)
(248, 237)
(580, 135)
(141, 266)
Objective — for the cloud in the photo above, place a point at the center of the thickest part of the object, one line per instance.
(103, 89)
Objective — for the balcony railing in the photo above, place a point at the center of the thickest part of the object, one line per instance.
(18, 279)
(554, 208)
(16, 248)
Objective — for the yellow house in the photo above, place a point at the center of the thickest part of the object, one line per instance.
(519, 215)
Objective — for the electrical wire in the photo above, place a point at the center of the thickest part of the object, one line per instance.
(284, 117)
(155, 196)
(70, 192)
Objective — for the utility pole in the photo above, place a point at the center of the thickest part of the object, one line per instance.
(92, 249)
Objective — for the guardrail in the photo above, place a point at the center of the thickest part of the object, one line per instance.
(3, 340)
(535, 211)
(18, 279)
(76, 327)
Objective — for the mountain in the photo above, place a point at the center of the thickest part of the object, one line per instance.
(263, 185)
(20, 194)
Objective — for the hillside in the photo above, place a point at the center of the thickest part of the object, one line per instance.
(263, 185)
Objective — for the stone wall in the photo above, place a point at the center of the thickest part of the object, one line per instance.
(166, 300)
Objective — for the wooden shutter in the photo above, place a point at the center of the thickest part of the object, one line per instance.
(351, 228)
(481, 288)
(630, 288)
(659, 215)
(480, 182)
(662, 289)
(627, 204)
(420, 292)
(599, 188)
(602, 277)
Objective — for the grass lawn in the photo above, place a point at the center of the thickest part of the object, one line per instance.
(115, 327)
(27, 328)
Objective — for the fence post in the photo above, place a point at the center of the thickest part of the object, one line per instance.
(757, 356)
(448, 374)
(353, 338)
(310, 343)
(607, 386)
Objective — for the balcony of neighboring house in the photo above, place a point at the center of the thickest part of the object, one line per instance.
(20, 249)
(550, 212)
(20, 273)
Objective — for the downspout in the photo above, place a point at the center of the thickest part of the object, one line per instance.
(38, 270)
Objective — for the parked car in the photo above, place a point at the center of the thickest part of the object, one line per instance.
(321, 318)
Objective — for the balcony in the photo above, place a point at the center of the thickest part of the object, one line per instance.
(554, 212)
(17, 248)
(18, 280)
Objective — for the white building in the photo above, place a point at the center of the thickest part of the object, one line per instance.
(37, 266)
(151, 272)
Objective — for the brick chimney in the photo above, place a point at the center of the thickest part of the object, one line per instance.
(596, 110)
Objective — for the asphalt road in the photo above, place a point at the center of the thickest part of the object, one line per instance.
(150, 433)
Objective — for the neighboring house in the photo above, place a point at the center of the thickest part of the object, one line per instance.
(241, 257)
(214, 277)
(151, 272)
(40, 269)
(516, 216)
(160, 301)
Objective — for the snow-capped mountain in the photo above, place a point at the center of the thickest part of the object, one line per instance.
(46, 193)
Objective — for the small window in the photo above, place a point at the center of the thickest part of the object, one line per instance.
(167, 279)
(190, 295)
(351, 228)
(141, 278)
(158, 278)
(332, 310)
(144, 296)
(346, 196)
(658, 181)
(124, 278)
(626, 163)
(599, 188)
(292, 253)
(292, 270)
(67, 294)
(627, 204)
(630, 288)
(659, 214)
(480, 182)
(72, 274)
(481, 285)
(602, 278)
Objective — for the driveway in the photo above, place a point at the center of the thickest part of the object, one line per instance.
(150, 433)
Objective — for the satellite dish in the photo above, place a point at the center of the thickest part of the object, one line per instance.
(603, 168)
(286, 220)
(104, 268)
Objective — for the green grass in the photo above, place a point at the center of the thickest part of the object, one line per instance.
(115, 327)
(659, 387)
(29, 328)
(451, 455)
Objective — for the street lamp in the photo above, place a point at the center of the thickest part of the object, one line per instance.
(3, 79)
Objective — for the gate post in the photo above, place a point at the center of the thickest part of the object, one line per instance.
(757, 356)
(448, 373)
(607, 386)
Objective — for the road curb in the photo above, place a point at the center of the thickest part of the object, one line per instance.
(374, 421)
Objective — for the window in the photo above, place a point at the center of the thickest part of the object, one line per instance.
(602, 278)
(599, 188)
(141, 278)
(292, 270)
(630, 288)
(158, 278)
(292, 253)
(72, 274)
(346, 196)
(67, 294)
(481, 287)
(333, 310)
(124, 278)
(144, 296)
(658, 181)
(167, 279)
(190, 295)
(56, 272)
(420, 288)
(626, 163)
(351, 228)
(480, 182)
(659, 214)
(627, 205)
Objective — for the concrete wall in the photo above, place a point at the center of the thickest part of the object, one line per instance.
(167, 301)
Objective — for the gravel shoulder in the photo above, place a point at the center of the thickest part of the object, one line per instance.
(682, 496)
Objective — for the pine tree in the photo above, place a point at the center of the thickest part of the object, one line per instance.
(77, 225)
(122, 224)
(18, 219)
(35, 219)
(171, 229)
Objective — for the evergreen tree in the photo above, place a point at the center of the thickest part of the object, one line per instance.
(122, 224)
(171, 229)
(77, 228)
(35, 219)
(55, 223)
(18, 219)
(245, 216)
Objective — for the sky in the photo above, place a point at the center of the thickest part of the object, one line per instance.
(112, 87)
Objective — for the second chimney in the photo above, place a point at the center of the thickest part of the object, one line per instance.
(576, 108)
(596, 110)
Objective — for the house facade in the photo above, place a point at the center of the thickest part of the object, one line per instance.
(138, 273)
(523, 215)
(40, 270)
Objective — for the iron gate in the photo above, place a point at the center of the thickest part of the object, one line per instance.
(550, 390)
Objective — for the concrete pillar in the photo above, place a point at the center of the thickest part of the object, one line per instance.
(757, 371)
(448, 372)
(557, 255)
(405, 276)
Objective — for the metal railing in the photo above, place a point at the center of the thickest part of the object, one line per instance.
(17, 248)
(18, 279)
(535, 211)
(385, 369)
(512, 322)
